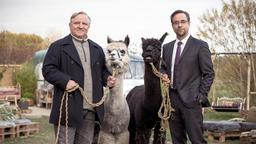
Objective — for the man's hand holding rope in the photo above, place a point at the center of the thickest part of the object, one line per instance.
(166, 80)
(111, 81)
(70, 85)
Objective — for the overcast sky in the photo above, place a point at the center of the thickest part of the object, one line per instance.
(114, 18)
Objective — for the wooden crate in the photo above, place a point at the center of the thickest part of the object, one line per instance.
(6, 132)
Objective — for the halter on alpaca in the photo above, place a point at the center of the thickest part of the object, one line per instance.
(114, 129)
(144, 101)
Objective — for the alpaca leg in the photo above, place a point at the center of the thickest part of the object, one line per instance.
(123, 138)
(105, 138)
(142, 136)
(96, 133)
(132, 136)
(159, 137)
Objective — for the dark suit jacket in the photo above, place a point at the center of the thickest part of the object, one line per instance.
(195, 72)
(61, 64)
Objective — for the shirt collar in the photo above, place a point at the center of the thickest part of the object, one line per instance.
(78, 39)
(184, 41)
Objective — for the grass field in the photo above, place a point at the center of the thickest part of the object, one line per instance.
(46, 134)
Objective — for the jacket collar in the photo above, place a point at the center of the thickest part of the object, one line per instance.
(186, 47)
(69, 49)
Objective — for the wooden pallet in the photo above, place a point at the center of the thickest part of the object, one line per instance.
(221, 136)
(248, 137)
(33, 128)
(25, 130)
(20, 130)
(7, 132)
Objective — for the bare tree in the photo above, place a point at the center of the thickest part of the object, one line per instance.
(52, 35)
(233, 30)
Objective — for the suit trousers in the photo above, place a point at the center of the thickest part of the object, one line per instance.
(80, 135)
(185, 122)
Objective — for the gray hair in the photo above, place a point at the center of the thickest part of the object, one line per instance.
(78, 13)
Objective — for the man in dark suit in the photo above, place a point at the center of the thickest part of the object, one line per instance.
(71, 61)
(188, 68)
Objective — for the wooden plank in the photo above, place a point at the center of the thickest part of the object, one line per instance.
(221, 136)
(10, 65)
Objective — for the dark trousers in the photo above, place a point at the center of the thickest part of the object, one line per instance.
(80, 135)
(185, 122)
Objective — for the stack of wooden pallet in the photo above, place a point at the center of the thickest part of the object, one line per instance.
(25, 130)
(19, 130)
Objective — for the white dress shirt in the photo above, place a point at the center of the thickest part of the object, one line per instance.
(184, 41)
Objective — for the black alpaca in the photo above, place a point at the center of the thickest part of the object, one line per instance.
(144, 101)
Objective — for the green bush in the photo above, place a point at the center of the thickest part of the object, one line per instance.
(27, 79)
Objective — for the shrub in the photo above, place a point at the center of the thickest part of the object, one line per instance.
(27, 79)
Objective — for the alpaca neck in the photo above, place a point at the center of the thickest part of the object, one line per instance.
(116, 97)
(152, 84)
(118, 88)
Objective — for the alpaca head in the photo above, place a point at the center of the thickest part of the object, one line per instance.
(117, 55)
(152, 49)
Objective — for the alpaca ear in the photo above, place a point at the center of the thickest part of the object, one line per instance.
(142, 39)
(127, 40)
(109, 40)
(163, 37)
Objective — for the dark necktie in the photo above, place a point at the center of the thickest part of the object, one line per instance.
(177, 57)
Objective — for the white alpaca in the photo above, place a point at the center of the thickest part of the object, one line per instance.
(114, 129)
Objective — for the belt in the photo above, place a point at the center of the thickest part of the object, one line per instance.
(173, 90)
(88, 110)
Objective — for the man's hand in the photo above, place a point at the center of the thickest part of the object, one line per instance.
(166, 80)
(111, 81)
(71, 84)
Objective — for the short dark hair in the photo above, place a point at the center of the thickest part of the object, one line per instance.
(78, 13)
(180, 11)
